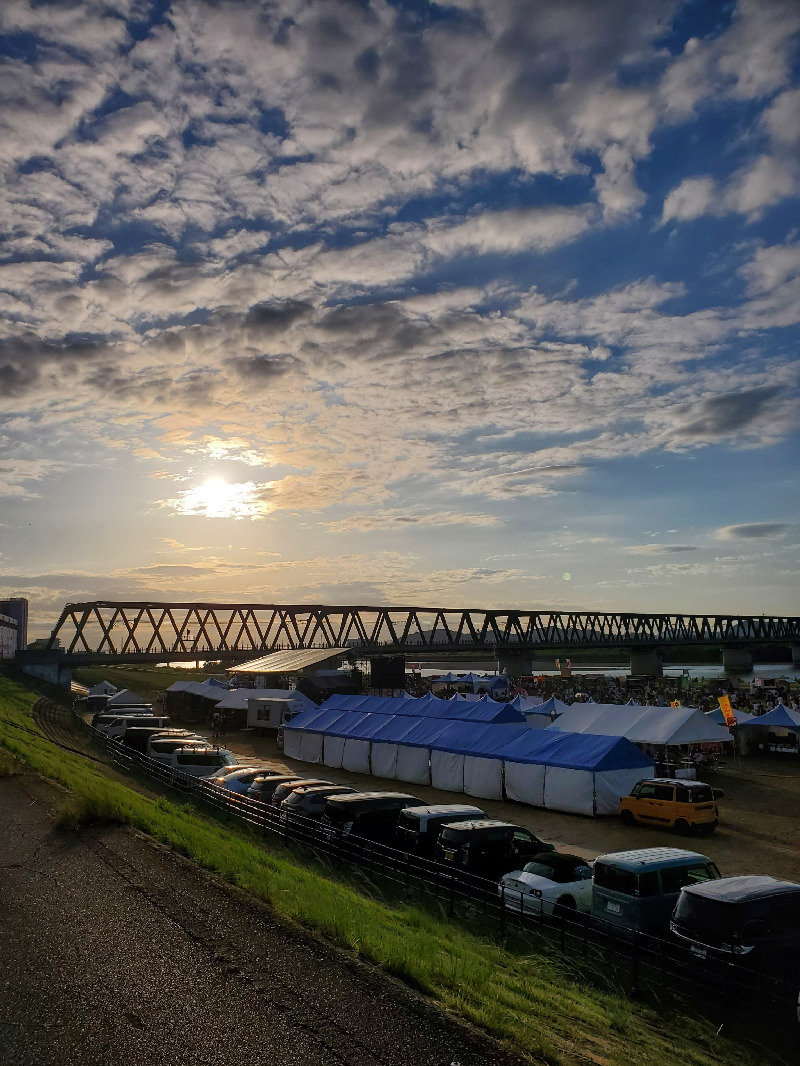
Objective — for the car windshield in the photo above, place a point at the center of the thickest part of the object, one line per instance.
(715, 920)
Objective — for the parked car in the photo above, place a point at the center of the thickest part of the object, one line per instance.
(160, 749)
(553, 882)
(308, 801)
(102, 722)
(136, 737)
(264, 785)
(751, 919)
(365, 815)
(636, 891)
(189, 763)
(487, 848)
(685, 806)
(240, 779)
(418, 828)
(168, 741)
(284, 790)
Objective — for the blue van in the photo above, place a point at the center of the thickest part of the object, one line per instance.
(636, 891)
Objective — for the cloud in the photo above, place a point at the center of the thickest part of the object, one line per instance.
(735, 412)
(753, 531)
(660, 549)
(691, 199)
(396, 519)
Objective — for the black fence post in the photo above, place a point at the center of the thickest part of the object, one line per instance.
(502, 909)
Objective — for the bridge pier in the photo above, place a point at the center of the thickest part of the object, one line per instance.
(737, 660)
(515, 664)
(47, 665)
(646, 662)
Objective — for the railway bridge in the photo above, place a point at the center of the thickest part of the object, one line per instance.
(107, 632)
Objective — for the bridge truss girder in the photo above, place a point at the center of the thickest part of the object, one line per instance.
(147, 631)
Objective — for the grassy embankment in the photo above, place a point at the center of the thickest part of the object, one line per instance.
(149, 682)
(534, 1003)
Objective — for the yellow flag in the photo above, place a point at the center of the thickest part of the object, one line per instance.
(674, 703)
(727, 710)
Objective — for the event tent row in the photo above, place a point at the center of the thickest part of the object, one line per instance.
(580, 774)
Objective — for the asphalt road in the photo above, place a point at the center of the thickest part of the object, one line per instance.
(115, 951)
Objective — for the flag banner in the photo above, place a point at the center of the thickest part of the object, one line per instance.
(727, 710)
(674, 703)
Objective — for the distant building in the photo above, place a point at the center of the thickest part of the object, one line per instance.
(17, 609)
(8, 637)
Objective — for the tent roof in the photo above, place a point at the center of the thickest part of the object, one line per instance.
(642, 725)
(124, 697)
(780, 716)
(483, 710)
(717, 716)
(516, 742)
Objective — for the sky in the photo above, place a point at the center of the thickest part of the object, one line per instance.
(488, 303)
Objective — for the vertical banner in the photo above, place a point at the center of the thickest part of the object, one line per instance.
(727, 710)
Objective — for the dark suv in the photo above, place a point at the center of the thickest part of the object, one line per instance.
(487, 848)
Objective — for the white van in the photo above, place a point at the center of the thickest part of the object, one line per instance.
(118, 726)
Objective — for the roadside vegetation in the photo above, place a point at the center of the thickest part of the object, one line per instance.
(536, 1004)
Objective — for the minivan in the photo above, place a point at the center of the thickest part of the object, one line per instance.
(636, 891)
(418, 828)
(102, 720)
(136, 737)
(366, 815)
(308, 802)
(487, 848)
(284, 790)
(752, 919)
(685, 806)
(119, 726)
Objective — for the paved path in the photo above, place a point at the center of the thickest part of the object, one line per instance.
(115, 951)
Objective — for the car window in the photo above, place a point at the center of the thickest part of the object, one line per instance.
(522, 836)
(664, 792)
(648, 884)
(674, 878)
(614, 879)
(647, 791)
(683, 795)
(539, 869)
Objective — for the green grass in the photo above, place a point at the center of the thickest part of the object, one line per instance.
(533, 1003)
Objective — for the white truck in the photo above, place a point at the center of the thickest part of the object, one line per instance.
(272, 708)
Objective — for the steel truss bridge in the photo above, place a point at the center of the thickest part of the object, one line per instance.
(106, 632)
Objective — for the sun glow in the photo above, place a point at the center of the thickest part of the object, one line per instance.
(217, 499)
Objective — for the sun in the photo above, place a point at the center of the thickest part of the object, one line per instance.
(217, 499)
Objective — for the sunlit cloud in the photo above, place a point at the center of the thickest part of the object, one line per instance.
(217, 499)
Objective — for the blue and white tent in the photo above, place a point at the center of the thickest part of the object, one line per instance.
(484, 709)
(493, 760)
(781, 717)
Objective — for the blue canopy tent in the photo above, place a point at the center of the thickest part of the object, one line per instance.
(571, 772)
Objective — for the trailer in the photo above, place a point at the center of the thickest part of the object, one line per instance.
(272, 708)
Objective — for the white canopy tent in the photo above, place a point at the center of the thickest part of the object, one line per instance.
(661, 726)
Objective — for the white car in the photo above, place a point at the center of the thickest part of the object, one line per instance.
(552, 883)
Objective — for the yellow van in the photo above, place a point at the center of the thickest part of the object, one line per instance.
(685, 806)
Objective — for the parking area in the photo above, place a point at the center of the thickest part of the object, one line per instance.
(758, 831)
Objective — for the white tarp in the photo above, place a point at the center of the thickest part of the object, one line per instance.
(292, 743)
(569, 790)
(332, 750)
(310, 747)
(413, 765)
(525, 783)
(384, 759)
(483, 777)
(356, 756)
(642, 725)
(447, 771)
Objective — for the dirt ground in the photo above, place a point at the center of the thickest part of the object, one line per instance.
(759, 830)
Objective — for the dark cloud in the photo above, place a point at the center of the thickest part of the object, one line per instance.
(754, 530)
(263, 367)
(266, 320)
(724, 415)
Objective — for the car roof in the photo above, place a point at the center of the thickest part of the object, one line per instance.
(443, 809)
(744, 887)
(641, 857)
(683, 782)
(483, 823)
(358, 796)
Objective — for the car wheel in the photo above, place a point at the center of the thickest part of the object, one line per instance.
(565, 907)
(627, 818)
(683, 827)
